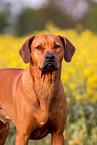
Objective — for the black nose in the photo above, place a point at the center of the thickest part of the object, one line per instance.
(50, 57)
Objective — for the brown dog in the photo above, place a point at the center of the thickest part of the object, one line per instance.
(34, 98)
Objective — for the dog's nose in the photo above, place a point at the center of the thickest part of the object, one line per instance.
(50, 57)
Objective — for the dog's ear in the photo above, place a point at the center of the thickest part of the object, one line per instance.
(25, 50)
(68, 47)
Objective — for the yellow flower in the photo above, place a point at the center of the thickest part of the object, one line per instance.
(72, 85)
(88, 72)
(78, 97)
(92, 81)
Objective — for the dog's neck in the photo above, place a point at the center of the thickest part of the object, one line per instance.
(42, 85)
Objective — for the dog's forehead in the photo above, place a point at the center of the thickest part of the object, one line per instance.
(46, 38)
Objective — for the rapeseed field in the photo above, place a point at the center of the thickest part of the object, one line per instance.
(79, 78)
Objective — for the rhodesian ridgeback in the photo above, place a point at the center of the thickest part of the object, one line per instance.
(34, 98)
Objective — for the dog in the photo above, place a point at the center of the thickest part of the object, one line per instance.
(34, 98)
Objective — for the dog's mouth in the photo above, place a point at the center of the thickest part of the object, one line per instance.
(49, 67)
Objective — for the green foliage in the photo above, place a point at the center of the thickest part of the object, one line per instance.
(30, 20)
(90, 112)
(3, 22)
(90, 22)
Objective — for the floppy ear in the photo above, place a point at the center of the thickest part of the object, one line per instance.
(25, 50)
(68, 47)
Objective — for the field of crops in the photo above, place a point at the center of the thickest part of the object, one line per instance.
(80, 83)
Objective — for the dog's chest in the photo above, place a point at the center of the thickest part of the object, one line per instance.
(45, 90)
(46, 84)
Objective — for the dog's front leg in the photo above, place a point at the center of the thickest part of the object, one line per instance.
(24, 130)
(21, 139)
(58, 139)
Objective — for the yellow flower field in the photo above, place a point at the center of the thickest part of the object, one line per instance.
(81, 72)
(79, 78)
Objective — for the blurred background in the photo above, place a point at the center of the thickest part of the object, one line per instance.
(77, 21)
(21, 17)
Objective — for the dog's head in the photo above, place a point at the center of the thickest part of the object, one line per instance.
(47, 51)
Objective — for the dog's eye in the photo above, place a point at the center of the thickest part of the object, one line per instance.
(38, 47)
(57, 46)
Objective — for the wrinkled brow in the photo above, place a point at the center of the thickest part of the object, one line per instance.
(54, 43)
(44, 43)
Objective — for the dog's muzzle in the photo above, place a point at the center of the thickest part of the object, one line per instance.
(49, 63)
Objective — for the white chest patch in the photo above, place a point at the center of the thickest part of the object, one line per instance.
(42, 123)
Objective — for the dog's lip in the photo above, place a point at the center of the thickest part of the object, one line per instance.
(48, 66)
